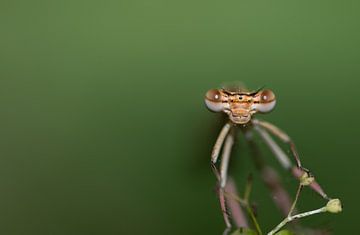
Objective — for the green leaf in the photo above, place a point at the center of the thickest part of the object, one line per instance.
(244, 231)
(284, 232)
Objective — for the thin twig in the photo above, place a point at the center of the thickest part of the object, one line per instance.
(298, 216)
(296, 199)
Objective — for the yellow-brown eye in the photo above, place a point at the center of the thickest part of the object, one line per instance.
(213, 100)
(266, 101)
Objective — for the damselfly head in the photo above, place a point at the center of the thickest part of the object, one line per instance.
(240, 104)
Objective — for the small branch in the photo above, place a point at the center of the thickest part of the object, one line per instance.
(295, 200)
(298, 216)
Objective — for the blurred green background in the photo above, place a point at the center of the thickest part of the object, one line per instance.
(102, 124)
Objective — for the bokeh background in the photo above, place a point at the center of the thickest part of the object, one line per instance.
(103, 129)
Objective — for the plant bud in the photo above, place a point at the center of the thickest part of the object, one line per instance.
(306, 179)
(334, 206)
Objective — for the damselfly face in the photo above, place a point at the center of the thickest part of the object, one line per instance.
(240, 104)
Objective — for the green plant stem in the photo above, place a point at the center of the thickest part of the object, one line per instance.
(251, 213)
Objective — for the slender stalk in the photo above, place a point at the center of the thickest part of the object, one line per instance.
(298, 216)
(295, 200)
(251, 213)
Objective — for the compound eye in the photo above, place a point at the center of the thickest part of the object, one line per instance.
(213, 100)
(213, 95)
(267, 101)
(267, 96)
